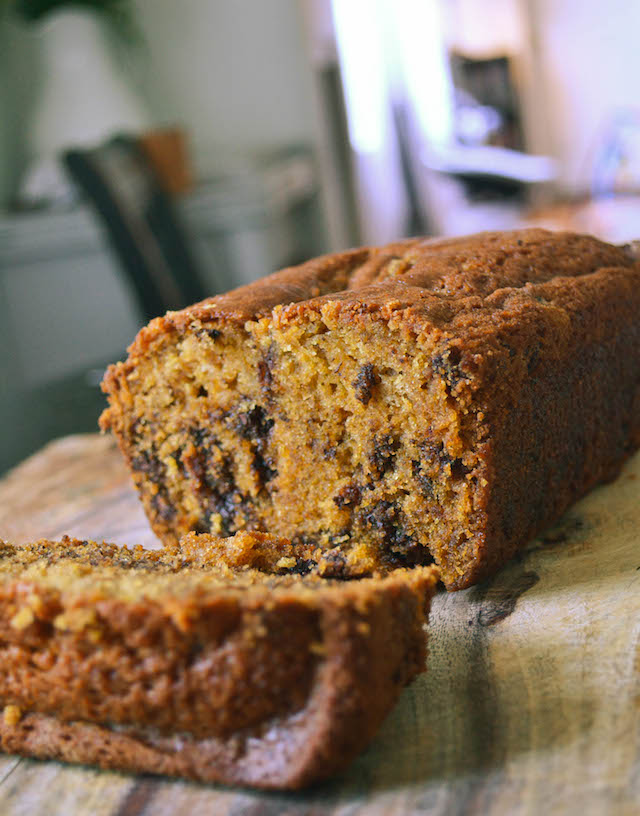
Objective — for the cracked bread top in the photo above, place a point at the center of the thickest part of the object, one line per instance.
(451, 285)
(494, 300)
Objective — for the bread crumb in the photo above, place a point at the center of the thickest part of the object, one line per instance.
(23, 618)
(35, 602)
(12, 715)
(286, 562)
(75, 620)
(215, 524)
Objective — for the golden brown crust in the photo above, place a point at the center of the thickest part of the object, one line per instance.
(533, 336)
(166, 663)
(454, 268)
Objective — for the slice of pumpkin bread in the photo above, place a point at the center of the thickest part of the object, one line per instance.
(217, 660)
(383, 407)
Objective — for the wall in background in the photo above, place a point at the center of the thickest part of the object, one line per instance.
(485, 28)
(19, 66)
(577, 61)
(4, 124)
(588, 63)
(235, 74)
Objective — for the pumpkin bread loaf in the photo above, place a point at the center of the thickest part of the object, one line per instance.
(218, 660)
(427, 400)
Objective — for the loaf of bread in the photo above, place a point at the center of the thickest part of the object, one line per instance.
(218, 661)
(428, 400)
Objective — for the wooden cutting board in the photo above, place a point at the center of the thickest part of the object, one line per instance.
(531, 702)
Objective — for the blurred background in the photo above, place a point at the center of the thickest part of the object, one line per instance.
(155, 152)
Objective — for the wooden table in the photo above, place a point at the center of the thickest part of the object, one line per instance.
(531, 702)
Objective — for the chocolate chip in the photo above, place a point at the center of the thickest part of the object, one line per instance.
(386, 520)
(229, 505)
(383, 456)
(380, 516)
(304, 541)
(253, 424)
(177, 458)
(349, 496)
(162, 506)
(201, 437)
(333, 564)
(437, 454)
(365, 383)
(447, 365)
(458, 470)
(263, 468)
(148, 463)
(216, 487)
(303, 567)
(265, 371)
(213, 334)
(425, 483)
(137, 431)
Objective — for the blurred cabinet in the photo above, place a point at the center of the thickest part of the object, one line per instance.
(66, 308)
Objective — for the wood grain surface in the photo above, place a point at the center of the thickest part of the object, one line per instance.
(530, 705)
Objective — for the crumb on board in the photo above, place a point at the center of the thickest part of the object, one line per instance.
(286, 562)
(23, 618)
(12, 714)
(75, 620)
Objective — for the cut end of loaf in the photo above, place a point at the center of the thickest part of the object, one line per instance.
(328, 427)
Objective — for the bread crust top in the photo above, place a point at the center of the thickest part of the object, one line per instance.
(452, 284)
